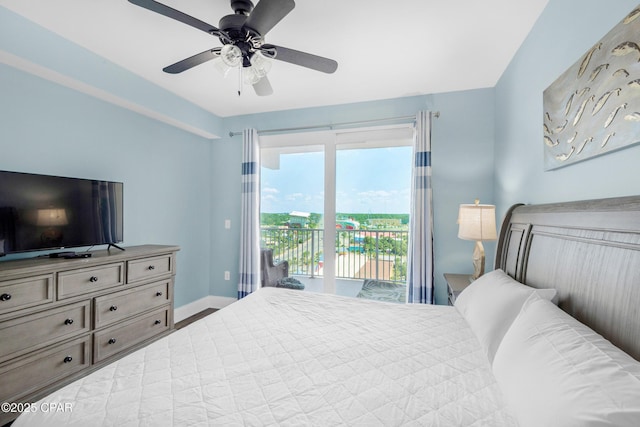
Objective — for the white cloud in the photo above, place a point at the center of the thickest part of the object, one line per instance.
(294, 196)
(377, 194)
(270, 190)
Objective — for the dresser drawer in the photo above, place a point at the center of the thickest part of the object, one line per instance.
(118, 306)
(40, 329)
(43, 368)
(129, 333)
(148, 268)
(23, 293)
(86, 280)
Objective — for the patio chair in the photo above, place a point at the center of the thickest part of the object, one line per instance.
(276, 274)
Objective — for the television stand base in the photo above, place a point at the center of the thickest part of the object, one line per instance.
(62, 254)
(70, 255)
(80, 255)
(115, 246)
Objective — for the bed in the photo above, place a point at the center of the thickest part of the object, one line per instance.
(506, 355)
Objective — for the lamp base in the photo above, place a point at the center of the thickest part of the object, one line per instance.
(51, 237)
(478, 260)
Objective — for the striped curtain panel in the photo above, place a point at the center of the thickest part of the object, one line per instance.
(104, 212)
(420, 257)
(250, 215)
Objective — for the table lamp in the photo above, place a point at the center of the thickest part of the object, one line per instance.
(53, 219)
(477, 222)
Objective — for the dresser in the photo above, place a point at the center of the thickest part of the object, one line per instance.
(63, 318)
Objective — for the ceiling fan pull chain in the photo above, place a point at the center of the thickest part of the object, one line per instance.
(240, 80)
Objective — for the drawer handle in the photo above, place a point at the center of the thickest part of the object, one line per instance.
(5, 297)
(157, 322)
(93, 279)
(68, 322)
(112, 341)
(158, 294)
(151, 267)
(68, 359)
(113, 308)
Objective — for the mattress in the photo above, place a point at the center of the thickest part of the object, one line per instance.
(286, 357)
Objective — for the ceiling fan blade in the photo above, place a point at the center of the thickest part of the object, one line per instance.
(192, 61)
(267, 14)
(303, 59)
(172, 13)
(263, 87)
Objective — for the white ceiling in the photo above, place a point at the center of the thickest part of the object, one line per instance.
(385, 49)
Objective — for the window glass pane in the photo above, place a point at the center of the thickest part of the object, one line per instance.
(291, 208)
(372, 212)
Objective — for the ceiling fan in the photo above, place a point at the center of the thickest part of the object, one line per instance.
(242, 36)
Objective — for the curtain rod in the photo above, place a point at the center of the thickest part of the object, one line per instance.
(436, 114)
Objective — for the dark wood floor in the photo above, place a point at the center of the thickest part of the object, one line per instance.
(189, 320)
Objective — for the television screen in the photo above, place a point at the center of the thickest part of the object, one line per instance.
(40, 212)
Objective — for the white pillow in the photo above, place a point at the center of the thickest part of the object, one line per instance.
(555, 371)
(491, 303)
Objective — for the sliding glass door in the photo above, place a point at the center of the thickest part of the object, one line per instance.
(335, 205)
(292, 208)
(372, 213)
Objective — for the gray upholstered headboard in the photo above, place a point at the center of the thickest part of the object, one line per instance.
(590, 252)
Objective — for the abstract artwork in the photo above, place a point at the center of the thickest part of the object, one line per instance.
(593, 108)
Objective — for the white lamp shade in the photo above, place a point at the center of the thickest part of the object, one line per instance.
(477, 222)
(52, 217)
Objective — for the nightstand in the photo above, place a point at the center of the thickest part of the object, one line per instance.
(456, 283)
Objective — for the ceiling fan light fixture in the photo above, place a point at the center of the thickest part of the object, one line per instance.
(250, 75)
(261, 64)
(222, 67)
(231, 55)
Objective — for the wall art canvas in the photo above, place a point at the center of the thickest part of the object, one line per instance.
(593, 108)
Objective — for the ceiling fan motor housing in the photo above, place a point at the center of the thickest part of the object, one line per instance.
(242, 7)
(233, 26)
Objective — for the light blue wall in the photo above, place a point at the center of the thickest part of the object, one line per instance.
(41, 47)
(564, 32)
(462, 153)
(46, 128)
(462, 150)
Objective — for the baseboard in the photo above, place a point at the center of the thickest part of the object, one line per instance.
(195, 307)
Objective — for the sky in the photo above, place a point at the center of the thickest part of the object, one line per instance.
(367, 181)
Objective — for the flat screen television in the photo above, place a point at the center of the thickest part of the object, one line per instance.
(41, 212)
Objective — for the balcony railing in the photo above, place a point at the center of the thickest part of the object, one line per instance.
(360, 254)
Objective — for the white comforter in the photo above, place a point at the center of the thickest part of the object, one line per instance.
(285, 357)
